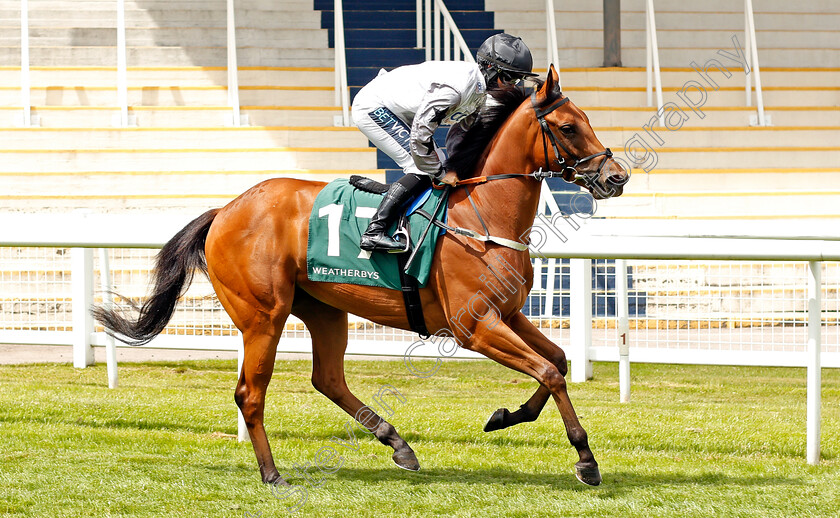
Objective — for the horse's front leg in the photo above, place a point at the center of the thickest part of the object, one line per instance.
(587, 468)
(528, 412)
(531, 409)
(504, 344)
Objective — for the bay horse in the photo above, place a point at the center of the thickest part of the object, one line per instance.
(254, 252)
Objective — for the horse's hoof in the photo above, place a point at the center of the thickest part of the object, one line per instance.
(589, 476)
(275, 480)
(497, 420)
(406, 460)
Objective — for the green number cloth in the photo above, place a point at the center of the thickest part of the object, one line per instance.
(339, 217)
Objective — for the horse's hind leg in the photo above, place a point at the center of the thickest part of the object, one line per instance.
(328, 328)
(260, 349)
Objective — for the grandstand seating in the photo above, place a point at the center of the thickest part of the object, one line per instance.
(181, 156)
(717, 166)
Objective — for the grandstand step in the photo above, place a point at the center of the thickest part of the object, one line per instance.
(724, 96)
(161, 183)
(192, 159)
(731, 20)
(164, 36)
(171, 96)
(688, 136)
(733, 180)
(403, 19)
(154, 138)
(723, 205)
(711, 6)
(377, 57)
(291, 115)
(620, 116)
(635, 57)
(169, 56)
(200, 16)
(182, 193)
(720, 157)
(174, 116)
(185, 204)
(169, 76)
(675, 38)
(682, 57)
(400, 5)
(404, 38)
(791, 78)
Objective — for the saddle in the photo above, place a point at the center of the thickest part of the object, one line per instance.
(410, 286)
(366, 184)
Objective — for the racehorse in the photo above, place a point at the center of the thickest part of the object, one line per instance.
(254, 252)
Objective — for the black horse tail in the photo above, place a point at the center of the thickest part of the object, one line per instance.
(174, 269)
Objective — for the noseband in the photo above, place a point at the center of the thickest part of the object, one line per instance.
(568, 171)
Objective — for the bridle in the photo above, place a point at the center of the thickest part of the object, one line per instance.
(568, 172)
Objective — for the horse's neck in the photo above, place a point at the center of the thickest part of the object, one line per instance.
(508, 206)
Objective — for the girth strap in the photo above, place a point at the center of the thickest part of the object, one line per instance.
(411, 299)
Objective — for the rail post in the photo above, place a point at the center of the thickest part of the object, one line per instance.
(108, 302)
(814, 369)
(82, 289)
(622, 311)
(581, 318)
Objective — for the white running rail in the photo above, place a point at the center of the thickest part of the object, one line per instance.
(752, 56)
(437, 17)
(594, 239)
(232, 68)
(342, 93)
(652, 62)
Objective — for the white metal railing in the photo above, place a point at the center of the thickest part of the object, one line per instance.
(593, 239)
(654, 76)
(552, 54)
(438, 23)
(232, 67)
(752, 56)
(608, 245)
(25, 82)
(342, 92)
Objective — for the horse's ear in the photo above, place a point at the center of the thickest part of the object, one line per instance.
(551, 81)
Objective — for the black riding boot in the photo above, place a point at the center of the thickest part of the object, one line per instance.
(374, 239)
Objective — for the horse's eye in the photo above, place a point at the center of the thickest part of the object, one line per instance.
(568, 129)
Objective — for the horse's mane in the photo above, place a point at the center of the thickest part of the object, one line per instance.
(463, 159)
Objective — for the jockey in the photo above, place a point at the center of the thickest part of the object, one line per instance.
(400, 110)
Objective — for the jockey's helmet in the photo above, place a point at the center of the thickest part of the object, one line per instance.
(504, 57)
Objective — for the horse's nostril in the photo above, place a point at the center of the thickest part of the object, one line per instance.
(616, 179)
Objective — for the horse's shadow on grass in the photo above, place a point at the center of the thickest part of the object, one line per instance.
(615, 484)
(479, 438)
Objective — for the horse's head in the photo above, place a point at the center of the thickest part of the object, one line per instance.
(568, 144)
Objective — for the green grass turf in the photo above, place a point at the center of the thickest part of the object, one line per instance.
(694, 441)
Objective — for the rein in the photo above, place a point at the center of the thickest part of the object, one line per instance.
(569, 173)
